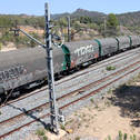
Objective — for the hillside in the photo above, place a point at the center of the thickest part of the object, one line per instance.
(95, 16)
(130, 19)
(92, 24)
(127, 19)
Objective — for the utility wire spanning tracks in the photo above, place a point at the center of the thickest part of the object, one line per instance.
(75, 96)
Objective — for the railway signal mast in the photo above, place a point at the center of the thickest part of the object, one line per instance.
(54, 126)
(52, 95)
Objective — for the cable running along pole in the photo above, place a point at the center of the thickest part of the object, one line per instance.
(52, 95)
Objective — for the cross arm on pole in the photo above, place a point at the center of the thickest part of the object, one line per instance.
(16, 31)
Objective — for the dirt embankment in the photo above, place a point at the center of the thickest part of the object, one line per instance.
(116, 116)
(9, 46)
(30, 30)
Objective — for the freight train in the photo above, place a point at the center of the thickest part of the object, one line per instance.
(26, 68)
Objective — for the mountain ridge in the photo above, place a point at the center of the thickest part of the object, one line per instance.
(127, 19)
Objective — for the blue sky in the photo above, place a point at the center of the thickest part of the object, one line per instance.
(36, 7)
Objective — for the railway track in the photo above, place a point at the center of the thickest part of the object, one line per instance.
(109, 61)
(72, 97)
(68, 104)
(87, 87)
(66, 88)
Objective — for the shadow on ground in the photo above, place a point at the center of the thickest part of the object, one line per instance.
(128, 99)
(32, 115)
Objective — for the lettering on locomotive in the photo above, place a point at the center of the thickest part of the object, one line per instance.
(11, 73)
(84, 50)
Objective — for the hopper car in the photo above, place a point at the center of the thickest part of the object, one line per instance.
(26, 68)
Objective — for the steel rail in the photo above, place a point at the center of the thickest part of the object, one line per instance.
(81, 98)
(71, 93)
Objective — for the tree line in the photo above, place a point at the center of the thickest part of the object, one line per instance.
(8, 21)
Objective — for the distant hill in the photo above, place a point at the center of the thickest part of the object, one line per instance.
(57, 16)
(91, 14)
(127, 19)
(130, 19)
(95, 16)
(81, 19)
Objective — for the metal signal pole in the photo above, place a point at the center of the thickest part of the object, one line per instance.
(52, 95)
(69, 29)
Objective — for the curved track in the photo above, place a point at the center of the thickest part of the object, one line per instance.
(74, 96)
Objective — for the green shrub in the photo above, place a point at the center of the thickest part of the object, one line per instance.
(124, 136)
(40, 132)
(109, 68)
(92, 100)
(45, 138)
(62, 127)
(120, 135)
(77, 138)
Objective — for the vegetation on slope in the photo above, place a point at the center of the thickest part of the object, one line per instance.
(84, 25)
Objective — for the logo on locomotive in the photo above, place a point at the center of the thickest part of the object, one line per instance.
(84, 50)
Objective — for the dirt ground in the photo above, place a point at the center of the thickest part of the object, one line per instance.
(99, 123)
(116, 115)
(8, 47)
